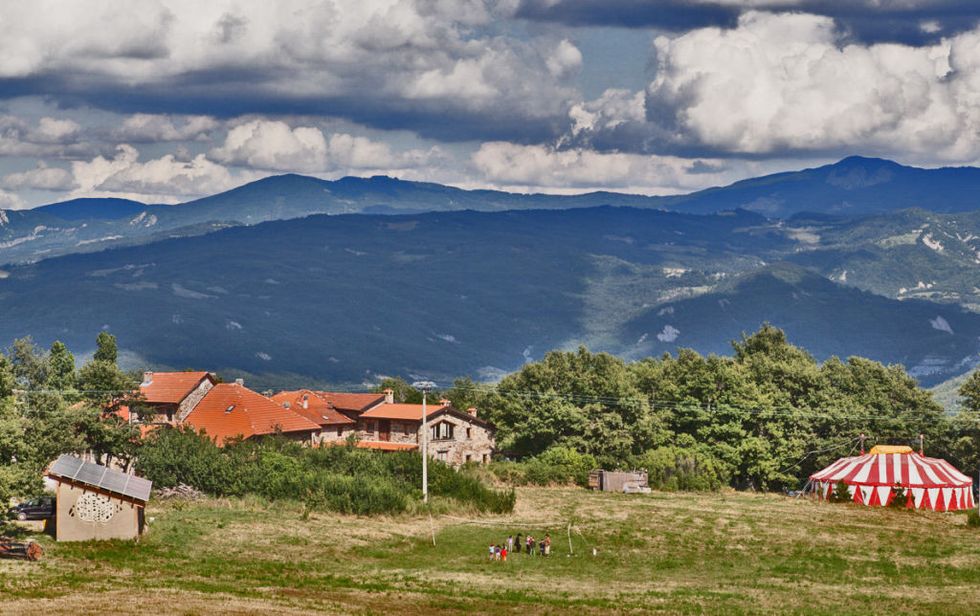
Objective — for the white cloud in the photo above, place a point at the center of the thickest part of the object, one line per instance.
(42, 177)
(391, 52)
(9, 201)
(614, 108)
(159, 179)
(514, 165)
(146, 127)
(273, 145)
(566, 59)
(668, 334)
(785, 82)
(47, 136)
(276, 146)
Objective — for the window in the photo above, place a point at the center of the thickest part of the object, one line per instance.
(340, 430)
(468, 458)
(406, 429)
(485, 458)
(469, 433)
(442, 431)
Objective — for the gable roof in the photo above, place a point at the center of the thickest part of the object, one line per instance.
(77, 471)
(171, 387)
(352, 403)
(230, 410)
(411, 412)
(316, 409)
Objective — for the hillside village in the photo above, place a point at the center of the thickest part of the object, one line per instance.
(315, 418)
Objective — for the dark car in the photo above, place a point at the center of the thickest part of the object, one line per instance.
(35, 509)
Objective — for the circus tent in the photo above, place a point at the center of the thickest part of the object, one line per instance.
(872, 479)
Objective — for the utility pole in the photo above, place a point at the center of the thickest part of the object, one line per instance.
(425, 387)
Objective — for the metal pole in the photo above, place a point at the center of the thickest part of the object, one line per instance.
(425, 452)
(425, 387)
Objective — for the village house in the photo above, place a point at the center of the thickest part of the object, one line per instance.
(334, 425)
(231, 410)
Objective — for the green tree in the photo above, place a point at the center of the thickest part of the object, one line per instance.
(61, 368)
(106, 349)
(404, 392)
(970, 392)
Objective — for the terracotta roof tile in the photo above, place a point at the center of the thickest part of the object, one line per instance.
(230, 410)
(316, 408)
(402, 411)
(355, 403)
(171, 387)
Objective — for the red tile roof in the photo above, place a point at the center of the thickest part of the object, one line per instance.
(401, 411)
(171, 387)
(356, 403)
(316, 408)
(230, 410)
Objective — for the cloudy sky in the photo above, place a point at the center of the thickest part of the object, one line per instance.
(167, 100)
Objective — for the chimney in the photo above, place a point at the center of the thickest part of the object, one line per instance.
(471, 411)
(240, 382)
(306, 401)
(147, 377)
(389, 396)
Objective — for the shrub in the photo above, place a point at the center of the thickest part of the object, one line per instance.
(973, 518)
(342, 479)
(840, 493)
(899, 497)
(680, 468)
(559, 465)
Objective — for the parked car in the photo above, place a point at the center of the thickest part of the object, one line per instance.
(35, 509)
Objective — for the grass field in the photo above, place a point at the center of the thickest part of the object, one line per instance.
(677, 553)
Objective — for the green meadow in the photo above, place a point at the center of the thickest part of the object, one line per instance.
(667, 552)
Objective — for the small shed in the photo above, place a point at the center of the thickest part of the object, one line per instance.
(619, 481)
(97, 502)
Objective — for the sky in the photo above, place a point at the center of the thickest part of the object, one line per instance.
(165, 101)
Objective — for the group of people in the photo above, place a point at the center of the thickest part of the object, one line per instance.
(518, 542)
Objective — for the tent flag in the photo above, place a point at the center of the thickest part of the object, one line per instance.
(917, 494)
(883, 493)
(928, 483)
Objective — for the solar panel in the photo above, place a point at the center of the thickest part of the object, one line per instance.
(101, 477)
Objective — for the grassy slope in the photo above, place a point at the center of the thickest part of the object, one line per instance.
(676, 553)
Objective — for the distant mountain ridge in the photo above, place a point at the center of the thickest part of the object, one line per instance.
(852, 187)
(345, 298)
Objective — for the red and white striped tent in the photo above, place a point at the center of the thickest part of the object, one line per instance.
(929, 483)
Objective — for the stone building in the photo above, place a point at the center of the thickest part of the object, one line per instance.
(97, 502)
(455, 437)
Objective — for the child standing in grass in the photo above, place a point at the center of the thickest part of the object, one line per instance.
(547, 545)
(510, 543)
(503, 553)
(530, 545)
(517, 543)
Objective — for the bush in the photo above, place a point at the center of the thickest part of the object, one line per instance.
(559, 465)
(840, 493)
(899, 497)
(973, 518)
(679, 468)
(342, 479)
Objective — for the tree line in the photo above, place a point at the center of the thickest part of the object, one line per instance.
(764, 417)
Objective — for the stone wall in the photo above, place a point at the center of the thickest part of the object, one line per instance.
(474, 446)
(190, 401)
(329, 434)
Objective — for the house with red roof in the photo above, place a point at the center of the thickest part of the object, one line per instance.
(455, 436)
(334, 425)
(231, 410)
(167, 397)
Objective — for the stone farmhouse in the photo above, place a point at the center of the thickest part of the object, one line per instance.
(317, 418)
